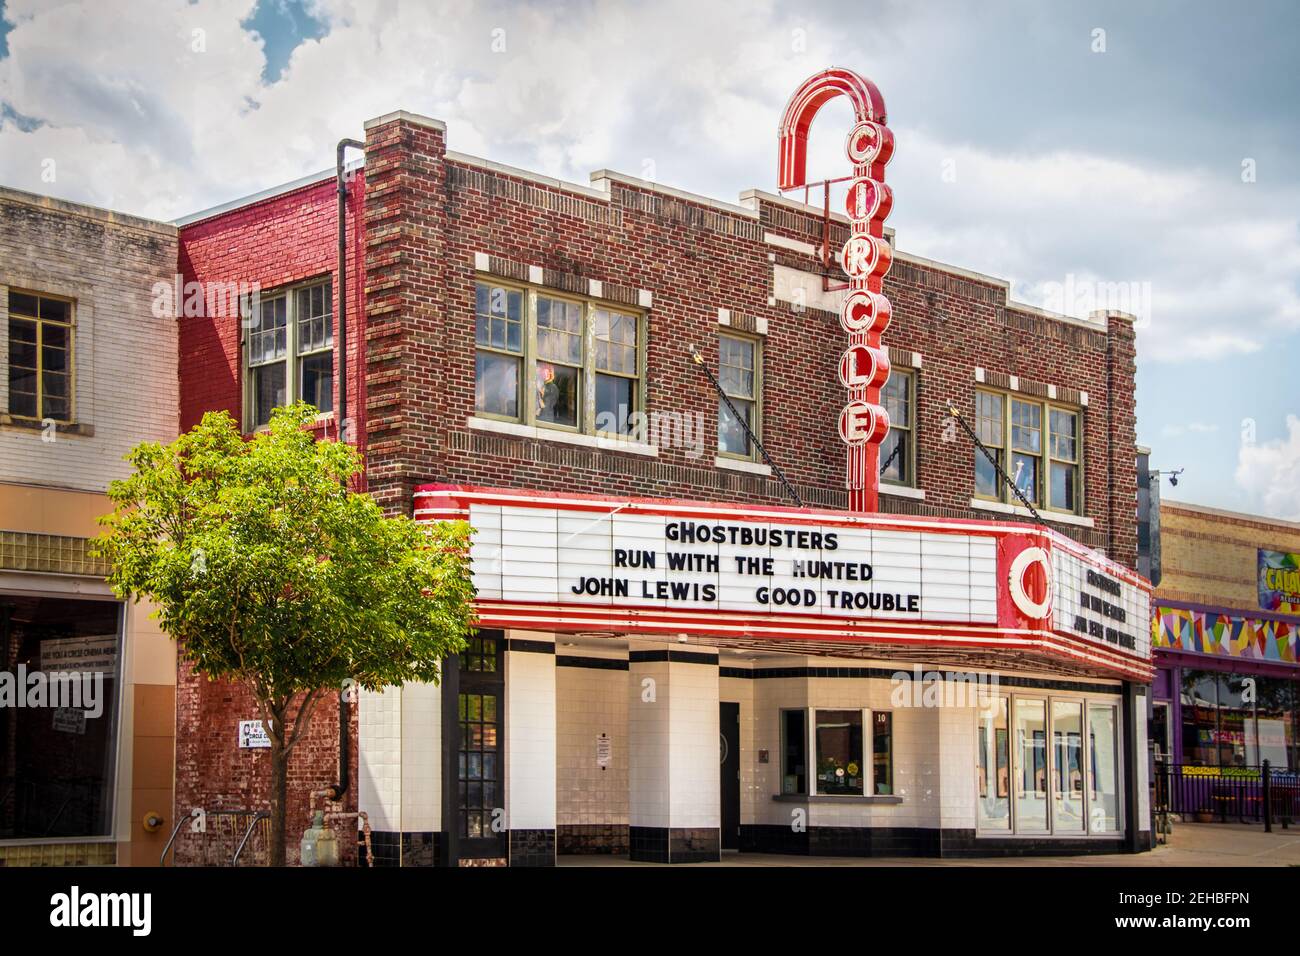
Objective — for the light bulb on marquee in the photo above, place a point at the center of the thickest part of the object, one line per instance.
(865, 258)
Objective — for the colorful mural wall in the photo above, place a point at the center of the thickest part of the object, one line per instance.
(1224, 635)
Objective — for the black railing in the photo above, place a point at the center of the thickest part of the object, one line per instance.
(1260, 794)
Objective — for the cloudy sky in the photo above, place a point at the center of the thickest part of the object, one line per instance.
(1078, 149)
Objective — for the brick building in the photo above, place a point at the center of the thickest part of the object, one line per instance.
(1224, 630)
(89, 372)
(521, 354)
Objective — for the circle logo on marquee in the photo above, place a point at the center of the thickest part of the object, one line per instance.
(1035, 607)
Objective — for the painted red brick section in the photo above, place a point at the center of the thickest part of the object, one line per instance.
(273, 243)
(290, 238)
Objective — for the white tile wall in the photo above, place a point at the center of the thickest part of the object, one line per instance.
(673, 747)
(379, 756)
(421, 757)
(530, 739)
(399, 747)
(591, 702)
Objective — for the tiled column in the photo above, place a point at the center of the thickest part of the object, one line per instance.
(530, 748)
(673, 754)
(399, 774)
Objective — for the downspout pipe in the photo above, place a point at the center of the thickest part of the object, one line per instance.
(343, 430)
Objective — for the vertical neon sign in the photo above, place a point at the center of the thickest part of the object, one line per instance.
(865, 258)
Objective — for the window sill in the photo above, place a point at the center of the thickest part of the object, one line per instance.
(902, 491)
(603, 442)
(879, 799)
(1054, 517)
(739, 464)
(84, 429)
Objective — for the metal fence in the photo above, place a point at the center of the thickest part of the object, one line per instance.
(1259, 794)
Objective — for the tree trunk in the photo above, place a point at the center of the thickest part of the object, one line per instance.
(279, 799)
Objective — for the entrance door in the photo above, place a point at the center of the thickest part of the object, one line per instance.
(480, 747)
(729, 757)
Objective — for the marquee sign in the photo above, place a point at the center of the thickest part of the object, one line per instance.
(865, 259)
(578, 562)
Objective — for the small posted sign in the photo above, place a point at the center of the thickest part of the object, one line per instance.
(604, 750)
(252, 735)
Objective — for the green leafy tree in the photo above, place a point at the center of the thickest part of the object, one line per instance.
(268, 572)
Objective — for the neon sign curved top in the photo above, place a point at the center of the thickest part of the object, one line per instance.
(812, 95)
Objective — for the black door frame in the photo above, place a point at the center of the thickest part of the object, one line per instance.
(729, 779)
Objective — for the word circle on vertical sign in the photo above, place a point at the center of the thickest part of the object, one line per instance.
(865, 258)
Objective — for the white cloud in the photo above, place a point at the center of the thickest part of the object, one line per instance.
(135, 117)
(1269, 472)
(1190, 428)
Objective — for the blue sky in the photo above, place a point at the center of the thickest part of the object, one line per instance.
(1057, 145)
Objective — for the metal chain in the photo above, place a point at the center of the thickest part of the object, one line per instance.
(952, 410)
(752, 438)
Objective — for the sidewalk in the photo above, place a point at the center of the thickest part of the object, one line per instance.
(1191, 844)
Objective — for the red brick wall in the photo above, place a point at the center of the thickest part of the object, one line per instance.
(275, 242)
(696, 259)
(426, 217)
(213, 773)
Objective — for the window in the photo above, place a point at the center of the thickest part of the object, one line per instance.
(1026, 785)
(1031, 757)
(882, 752)
(40, 356)
(990, 429)
(994, 772)
(523, 336)
(1067, 761)
(1035, 443)
(738, 374)
(315, 350)
(840, 767)
(478, 764)
(1103, 747)
(1063, 494)
(617, 368)
(898, 448)
(499, 322)
(1223, 727)
(57, 762)
(1027, 448)
(480, 756)
(559, 361)
(290, 346)
(794, 752)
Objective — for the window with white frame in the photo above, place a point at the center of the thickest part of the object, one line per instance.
(289, 351)
(1037, 444)
(1047, 765)
(557, 362)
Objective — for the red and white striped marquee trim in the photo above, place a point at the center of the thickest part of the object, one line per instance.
(449, 502)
